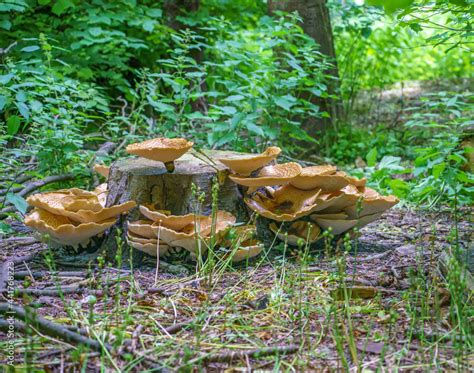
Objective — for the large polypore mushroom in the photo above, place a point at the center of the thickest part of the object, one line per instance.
(298, 232)
(333, 199)
(161, 149)
(191, 232)
(279, 174)
(73, 216)
(245, 164)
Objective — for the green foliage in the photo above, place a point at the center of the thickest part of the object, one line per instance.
(372, 53)
(425, 163)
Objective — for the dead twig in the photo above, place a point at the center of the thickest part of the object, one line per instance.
(31, 319)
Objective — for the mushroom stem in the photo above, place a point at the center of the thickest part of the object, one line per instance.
(169, 166)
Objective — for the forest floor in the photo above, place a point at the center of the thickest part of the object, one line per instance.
(391, 304)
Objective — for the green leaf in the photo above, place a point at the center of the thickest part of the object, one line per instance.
(371, 157)
(5, 79)
(438, 169)
(18, 201)
(252, 127)
(3, 102)
(30, 48)
(5, 24)
(13, 125)
(375, 2)
(44, 2)
(285, 102)
(234, 98)
(23, 109)
(149, 25)
(61, 6)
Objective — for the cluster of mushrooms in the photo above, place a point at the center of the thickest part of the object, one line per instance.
(305, 201)
(300, 203)
(71, 217)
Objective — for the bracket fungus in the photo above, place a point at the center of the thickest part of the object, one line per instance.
(72, 216)
(245, 164)
(330, 198)
(298, 231)
(191, 232)
(161, 149)
(150, 246)
(102, 169)
(78, 205)
(279, 174)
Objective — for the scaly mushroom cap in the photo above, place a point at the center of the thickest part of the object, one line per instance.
(247, 250)
(136, 238)
(190, 236)
(298, 231)
(101, 192)
(160, 149)
(63, 230)
(80, 202)
(102, 169)
(353, 180)
(329, 203)
(322, 177)
(340, 226)
(142, 228)
(278, 174)
(247, 163)
(371, 206)
(288, 203)
(174, 222)
(150, 246)
(334, 216)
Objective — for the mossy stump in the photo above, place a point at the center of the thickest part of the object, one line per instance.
(148, 183)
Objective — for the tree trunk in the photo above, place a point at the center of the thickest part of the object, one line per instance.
(188, 189)
(316, 24)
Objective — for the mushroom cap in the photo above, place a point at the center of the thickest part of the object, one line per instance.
(175, 222)
(160, 149)
(150, 248)
(241, 234)
(136, 238)
(371, 206)
(63, 230)
(333, 216)
(299, 230)
(142, 228)
(101, 192)
(322, 177)
(278, 174)
(335, 202)
(102, 169)
(247, 163)
(251, 249)
(56, 203)
(190, 236)
(340, 226)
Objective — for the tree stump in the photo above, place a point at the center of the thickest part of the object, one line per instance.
(148, 183)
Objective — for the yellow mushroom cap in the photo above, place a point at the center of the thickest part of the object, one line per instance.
(160, 149)
(371, 206)
(142, 228)
(340, 226)
(299, 230)
(151, 247)
(247, 163)
(191, 235)
(251, 249)
(102, 169)
(323, 177)
(63, 230)
(279, 174)
(175, 222)
(54, 202)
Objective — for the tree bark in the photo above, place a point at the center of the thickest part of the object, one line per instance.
(317, 24)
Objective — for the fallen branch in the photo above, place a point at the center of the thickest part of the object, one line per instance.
(40, 274)
(179, 326)
(47, 180)
(226, 357)
(31, 319)
(59, 292)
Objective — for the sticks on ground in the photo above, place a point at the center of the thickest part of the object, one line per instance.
(46, 327)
